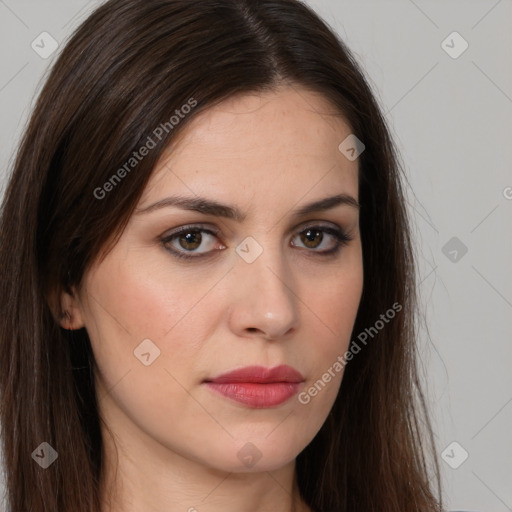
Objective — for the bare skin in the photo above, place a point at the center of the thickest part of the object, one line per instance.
(179, 443)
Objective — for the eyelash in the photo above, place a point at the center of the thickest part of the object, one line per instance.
(342, 237)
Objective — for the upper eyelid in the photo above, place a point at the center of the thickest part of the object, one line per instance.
(213, 229)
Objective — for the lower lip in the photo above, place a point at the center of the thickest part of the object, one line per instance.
(256, 395)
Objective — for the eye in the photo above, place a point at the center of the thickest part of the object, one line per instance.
(317, 237)
(185, 241)
(188, 239)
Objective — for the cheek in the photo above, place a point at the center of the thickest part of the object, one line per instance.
(129, 304)
(141, 298)
(341, 302)
(141, 323)
(335, 307)
(336, 304)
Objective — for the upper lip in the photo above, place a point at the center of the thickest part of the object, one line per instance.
(260, 375)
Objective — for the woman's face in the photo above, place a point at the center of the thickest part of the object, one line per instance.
(271, 287)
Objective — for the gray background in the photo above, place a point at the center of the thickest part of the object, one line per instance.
(452, 121)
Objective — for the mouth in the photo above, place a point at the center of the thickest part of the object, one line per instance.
(256, 386)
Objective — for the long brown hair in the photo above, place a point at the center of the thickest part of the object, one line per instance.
(124, 73)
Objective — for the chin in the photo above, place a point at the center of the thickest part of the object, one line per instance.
(255, 454)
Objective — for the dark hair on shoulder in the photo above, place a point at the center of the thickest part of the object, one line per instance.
(122, 74)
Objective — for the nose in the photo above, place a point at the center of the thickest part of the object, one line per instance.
(264, 301)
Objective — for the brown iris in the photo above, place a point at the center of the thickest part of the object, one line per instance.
(192, 240)
(309, 237)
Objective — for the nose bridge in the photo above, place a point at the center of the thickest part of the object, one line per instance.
(264, 292)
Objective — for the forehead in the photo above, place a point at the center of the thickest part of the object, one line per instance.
(263, 145)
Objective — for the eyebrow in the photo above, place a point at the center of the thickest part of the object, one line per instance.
(211, 207)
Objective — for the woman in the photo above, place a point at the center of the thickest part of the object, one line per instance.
(208, 284)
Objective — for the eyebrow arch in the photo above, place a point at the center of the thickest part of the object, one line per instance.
(210, 207)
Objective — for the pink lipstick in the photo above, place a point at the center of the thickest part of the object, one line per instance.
(257, 386)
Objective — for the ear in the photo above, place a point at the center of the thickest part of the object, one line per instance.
(70, 314)
(66, 308)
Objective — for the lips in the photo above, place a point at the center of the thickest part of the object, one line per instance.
(260, 375)
(257, 386)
